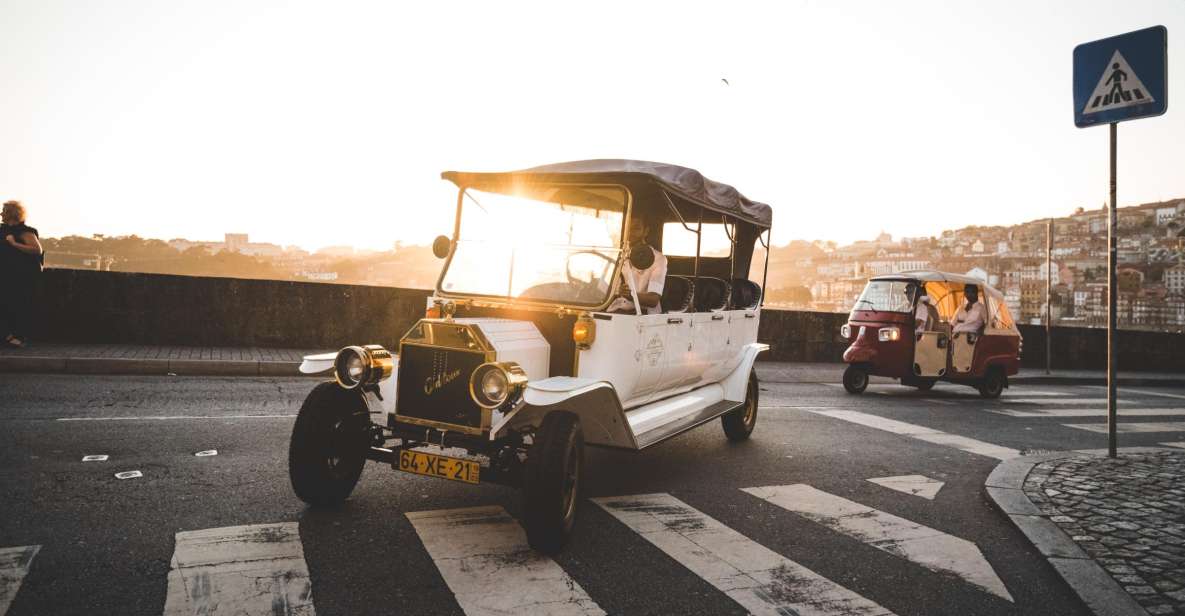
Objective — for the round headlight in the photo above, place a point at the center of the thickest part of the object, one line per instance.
(356, 366)
(492, 384)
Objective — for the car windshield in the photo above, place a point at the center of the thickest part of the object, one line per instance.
(886, 296)
(554, 243)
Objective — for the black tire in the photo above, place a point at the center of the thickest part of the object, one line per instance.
(993, 383)
(924, 384)
(551, 481)
(328, 446)
(738, 424)
(855, 379)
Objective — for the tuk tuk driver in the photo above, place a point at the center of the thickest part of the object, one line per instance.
(970, 317)
(923, 316)
(648, 268)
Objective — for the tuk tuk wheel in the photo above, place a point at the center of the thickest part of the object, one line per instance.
(855, 379)
(551, 481)
(328, 446)
(992, 384)
(738, 424)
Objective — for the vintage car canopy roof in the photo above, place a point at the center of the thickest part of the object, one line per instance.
(686, 183)
(937, 276)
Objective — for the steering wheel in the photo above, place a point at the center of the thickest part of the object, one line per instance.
(590, 285)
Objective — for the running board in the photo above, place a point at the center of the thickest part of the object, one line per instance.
(659, 421)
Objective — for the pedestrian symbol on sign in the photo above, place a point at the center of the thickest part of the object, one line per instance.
(1118, 87)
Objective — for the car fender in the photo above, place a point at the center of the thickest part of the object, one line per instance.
(316, 364)
(602, 418)
(736, 384)
(382, 401)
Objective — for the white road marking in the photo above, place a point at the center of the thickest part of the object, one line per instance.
(483, 556)
(754, 576)
(169, 417)
(207, 453)
(1166, 426)
(917, 485)
(921, 433)
(1178, 444)
(14, 566)
(240, 570)
(1084, 401)
(1145, 392)
(95, 458)
(129, 475)
(932, 549)
(1096, 412)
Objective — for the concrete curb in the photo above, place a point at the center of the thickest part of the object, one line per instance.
(1125, 381)
(1097, 589)
(159, 367)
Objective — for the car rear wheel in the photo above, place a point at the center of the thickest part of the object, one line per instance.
(738, 424)
(855, 379)
(551, 481)
(992, 384)
(328, 446)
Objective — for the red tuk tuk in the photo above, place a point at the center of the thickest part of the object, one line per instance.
(892, 336)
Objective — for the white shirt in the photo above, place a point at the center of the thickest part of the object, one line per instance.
(970, 320)
(651, 279)
(921, 316)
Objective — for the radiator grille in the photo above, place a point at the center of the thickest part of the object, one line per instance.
(433, 385)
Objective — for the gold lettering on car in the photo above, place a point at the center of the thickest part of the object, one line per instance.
(437, 381)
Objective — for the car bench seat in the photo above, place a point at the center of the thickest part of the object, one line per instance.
(710, 294)
(676, 294)
(746, 294)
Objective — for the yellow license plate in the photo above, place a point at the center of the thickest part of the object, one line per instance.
(433, 465)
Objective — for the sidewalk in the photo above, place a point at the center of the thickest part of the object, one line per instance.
(256, 361)
(1114, 529)
(153, 360)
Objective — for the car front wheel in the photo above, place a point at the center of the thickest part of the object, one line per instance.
(328, 446)
(855, 379)
(551, 481)
(738, 424)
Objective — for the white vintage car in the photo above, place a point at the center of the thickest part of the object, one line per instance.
(536, 341)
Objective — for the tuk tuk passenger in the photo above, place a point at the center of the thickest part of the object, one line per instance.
(971, 316)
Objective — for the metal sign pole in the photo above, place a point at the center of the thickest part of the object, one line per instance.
(1048, 294)
(1112, 299)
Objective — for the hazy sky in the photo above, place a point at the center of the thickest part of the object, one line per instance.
(329, 123)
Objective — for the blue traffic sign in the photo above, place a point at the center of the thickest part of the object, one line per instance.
(1121, 78)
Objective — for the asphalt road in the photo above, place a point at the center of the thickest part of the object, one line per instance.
(106, 545)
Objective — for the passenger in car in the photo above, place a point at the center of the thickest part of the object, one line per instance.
(971, 316)
(648, 269)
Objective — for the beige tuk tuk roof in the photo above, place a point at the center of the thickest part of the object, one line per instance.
(937, 276)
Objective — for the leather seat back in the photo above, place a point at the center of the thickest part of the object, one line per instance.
(676, 294)
(710, 294)
(746, 294)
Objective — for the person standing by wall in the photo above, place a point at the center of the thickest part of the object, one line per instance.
(21, 258)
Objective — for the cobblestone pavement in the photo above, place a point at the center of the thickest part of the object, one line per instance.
(1128, 513)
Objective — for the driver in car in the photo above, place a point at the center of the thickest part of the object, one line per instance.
(648, 269)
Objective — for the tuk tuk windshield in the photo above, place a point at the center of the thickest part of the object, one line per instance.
(544, 243)
(886, 296)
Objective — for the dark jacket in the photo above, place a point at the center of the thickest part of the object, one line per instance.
(14, 263)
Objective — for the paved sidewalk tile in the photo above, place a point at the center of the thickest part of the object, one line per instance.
(1127, 514)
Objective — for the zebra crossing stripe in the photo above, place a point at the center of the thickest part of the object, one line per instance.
(920, 433)
(754, 576)
(483, 556)
(14, 566)
(1164, 426)
(932, 549)
(1095, 412)
(240, 570)
(1180, 445)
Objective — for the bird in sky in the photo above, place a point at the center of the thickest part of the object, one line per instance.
(725, 81)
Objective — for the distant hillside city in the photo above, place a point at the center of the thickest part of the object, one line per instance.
(819, 275)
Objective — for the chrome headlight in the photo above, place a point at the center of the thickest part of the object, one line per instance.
(493, 383)
(356, 366)
(888, 334)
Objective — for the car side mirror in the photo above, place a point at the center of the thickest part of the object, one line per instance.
(441, 246)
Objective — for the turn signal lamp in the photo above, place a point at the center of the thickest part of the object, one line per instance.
(584, 332)
(888, 334)
(433, 312)
(358, 366)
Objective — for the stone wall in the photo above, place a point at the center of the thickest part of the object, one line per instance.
(79, 306)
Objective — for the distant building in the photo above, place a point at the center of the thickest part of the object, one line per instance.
(235, 241)
(1174, 279)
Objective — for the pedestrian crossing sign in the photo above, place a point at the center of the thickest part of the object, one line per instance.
(1121, 78)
